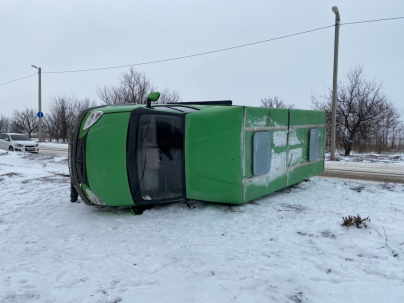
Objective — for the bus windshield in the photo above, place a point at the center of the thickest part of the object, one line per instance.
(160, 156)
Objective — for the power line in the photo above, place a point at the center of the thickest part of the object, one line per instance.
(203, 53)
(18, 79)
(368, 21)
(190, 56)
(219, 50)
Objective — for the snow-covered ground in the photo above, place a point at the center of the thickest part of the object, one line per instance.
(287, 247)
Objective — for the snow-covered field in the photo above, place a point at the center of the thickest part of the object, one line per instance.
(287, 247)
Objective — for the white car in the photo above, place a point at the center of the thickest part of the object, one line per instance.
(18, 142)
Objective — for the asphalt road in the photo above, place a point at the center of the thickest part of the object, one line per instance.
(360, 171)
(377, 171)
(52, 151)
(384, 176)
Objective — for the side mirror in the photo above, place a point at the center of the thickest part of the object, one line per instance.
(152, 97)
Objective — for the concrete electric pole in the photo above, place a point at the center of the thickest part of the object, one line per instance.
(40, 114)
(334, 84)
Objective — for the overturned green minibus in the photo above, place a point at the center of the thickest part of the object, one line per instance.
(139, 155)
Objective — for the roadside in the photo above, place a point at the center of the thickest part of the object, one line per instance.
(58, 149)
(372, 167)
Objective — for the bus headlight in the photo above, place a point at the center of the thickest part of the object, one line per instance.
(94, 199)
(92, 119)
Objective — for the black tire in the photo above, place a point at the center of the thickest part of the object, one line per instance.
(11, 148)
(73, 193)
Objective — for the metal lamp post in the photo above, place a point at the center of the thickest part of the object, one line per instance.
(40, 114)
(334, 84)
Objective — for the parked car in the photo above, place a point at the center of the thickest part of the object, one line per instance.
(139, 155)
(18, 142)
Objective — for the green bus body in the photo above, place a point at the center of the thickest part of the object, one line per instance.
(228, 154)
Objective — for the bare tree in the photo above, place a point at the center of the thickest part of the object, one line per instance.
(169, 96)
(58, 118)
(4, 124)
(63, 112)
(275, 103)
(24, 121)
(50, 127)
(109, 95)
(362, 110)
(133, 88)
(81, 104)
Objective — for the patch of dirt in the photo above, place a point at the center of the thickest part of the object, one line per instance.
(293, 207)
(62, 175)
(304, 234)
(10, 175)
(389, 186)
(49, 179)
(37, 157)
(358, 188)
(328, 234)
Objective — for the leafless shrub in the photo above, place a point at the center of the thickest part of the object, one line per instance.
(355, 221)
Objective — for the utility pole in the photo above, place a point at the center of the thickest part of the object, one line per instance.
(40, 114)
(334, 84)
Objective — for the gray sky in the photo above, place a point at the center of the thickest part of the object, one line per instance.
(74, 35)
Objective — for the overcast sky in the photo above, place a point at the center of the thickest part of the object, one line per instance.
(74, 35)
